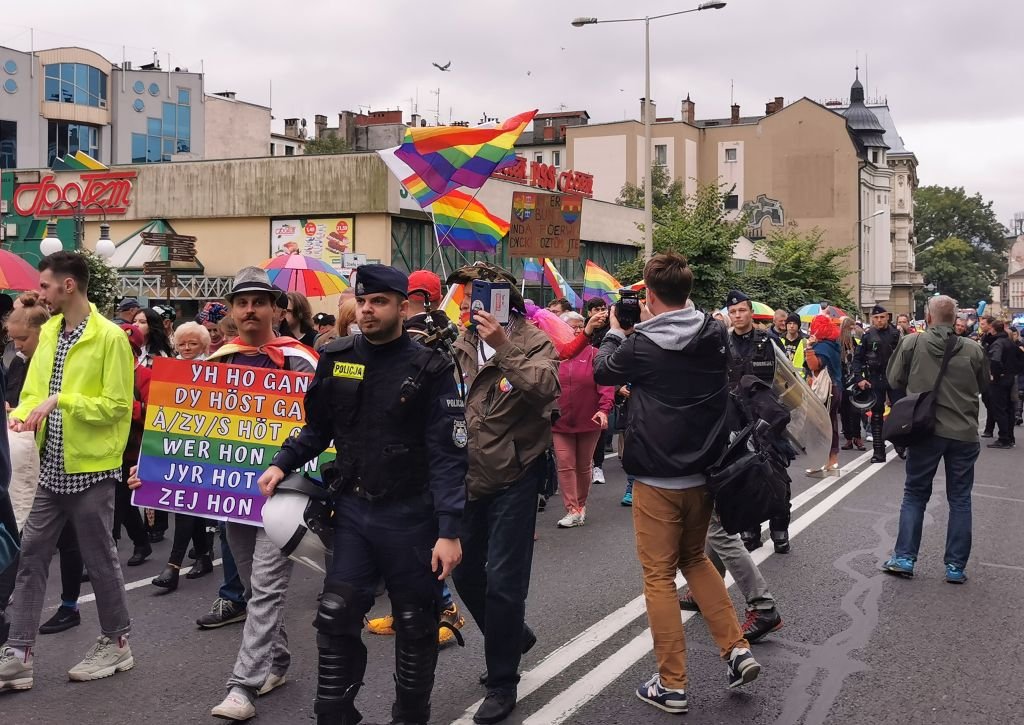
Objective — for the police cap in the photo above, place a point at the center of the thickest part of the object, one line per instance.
(879, 310)
(374, 278)
(735, 297)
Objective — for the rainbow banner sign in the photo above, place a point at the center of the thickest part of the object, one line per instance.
(211, 431)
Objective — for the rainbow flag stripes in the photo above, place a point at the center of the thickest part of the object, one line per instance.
(533, 270)
(443, 155)
(466, 224)
(597, 283)
(559, 286)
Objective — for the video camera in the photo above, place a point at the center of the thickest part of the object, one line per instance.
(627, 309)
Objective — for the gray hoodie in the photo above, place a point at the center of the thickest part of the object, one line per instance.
(915, 367)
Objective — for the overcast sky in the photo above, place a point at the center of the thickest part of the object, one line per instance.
(950, 70)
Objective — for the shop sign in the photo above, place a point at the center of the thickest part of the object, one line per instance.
(544, 176)
(93, 194)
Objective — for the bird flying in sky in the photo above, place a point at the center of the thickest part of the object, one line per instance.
(447, 66)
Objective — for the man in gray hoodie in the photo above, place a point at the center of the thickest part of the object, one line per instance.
(915, 367)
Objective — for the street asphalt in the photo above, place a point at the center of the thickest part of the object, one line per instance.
(857, 646)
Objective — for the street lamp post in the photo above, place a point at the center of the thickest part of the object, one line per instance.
(860, 254)
(648, 193)
(52, 244)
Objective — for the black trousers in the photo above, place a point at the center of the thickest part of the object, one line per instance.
(851, 419)
(189, 529)
(126, 515)
(1001, 408)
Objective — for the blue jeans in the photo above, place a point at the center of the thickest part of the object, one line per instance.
(922, 462)
(494, 577)
(232, 589)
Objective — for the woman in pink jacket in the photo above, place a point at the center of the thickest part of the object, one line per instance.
(583, 413)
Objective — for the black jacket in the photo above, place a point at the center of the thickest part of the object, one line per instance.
(676, 365)
(872, 357)
(1002, 357)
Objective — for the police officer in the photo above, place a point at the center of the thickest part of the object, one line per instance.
(391, 407)
(752, 352)
(869, 363)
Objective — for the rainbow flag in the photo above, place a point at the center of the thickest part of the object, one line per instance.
(599, 284)
(443, 155)
(558, 284)
(451, 305)
(533, 270)
(466, 224)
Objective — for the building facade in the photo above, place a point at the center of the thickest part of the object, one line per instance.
(544, 142)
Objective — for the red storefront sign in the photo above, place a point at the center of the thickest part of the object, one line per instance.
(543, 176)
(100, 192)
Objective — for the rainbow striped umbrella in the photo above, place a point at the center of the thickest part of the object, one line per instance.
(298, 273)
(16, 273)
(809, 312)
(761, 311)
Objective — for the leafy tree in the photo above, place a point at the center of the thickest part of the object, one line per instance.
(104, 286)
(327, 144)
(800, 270)
(695, 226)
(948, 212)
(951, 265)
(667, 194)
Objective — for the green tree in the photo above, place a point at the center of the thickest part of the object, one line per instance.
(695, 226)
(948, 212)
(104, 286)
(328, 144)
(800, 270)
(951, 265)
(667, 194)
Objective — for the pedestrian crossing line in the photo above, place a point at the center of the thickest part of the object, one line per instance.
(603, 630)
(132, 585)
(588, 686)
(1002, 566)
(999, 498)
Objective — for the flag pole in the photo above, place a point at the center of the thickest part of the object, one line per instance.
(437, 248)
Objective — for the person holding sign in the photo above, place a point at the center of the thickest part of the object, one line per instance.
(78, 399)
(392, 409)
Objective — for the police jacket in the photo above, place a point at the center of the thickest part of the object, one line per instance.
(1002, 356)
(751, 354)
(676, 366)
(395, 439)
(873, 355)
(509, 401)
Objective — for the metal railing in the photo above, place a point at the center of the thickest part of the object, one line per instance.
(196, 287)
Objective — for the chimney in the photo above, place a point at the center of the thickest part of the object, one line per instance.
(414, 120)
(654, 110)
(549, 133)
(735, 114)
(320, 125)
(769, 108)
(779, 103)
(291, 127)
(689, 110)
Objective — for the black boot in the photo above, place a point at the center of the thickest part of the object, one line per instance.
(168, 578)
(877, 442)
(202, 567)
(415, 661)
(341, 656)
(140, 554)
(781, 541)
(751, 539)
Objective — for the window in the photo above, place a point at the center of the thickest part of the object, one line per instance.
(168, 135)
(139, 105)
(732, 202)
(556, 159)
(11, 85)
(75, 83)
(65, 137)
(539, 158)
(660, 154)
(139, 87)
(271, 149)
(184, 96)
(8, 145)
(874, 156)
(730, 156)
(10, 67)
(289, 150)
(154, 90)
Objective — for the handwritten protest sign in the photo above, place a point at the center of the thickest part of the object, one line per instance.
(211, 430)
(545, 225)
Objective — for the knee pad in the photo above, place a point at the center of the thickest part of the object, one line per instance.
(339, 614)
(414, 622)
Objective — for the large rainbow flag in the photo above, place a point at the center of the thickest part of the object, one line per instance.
(466, 224)
(558, 284)
(597, 283)
(444, 155)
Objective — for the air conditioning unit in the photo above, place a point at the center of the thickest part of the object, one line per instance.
(103, 103)
(10, 230)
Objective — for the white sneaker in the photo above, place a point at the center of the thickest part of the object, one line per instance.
(235, 706)
(582, 513)
(571, 519)
(104, 659)
(15, 672)
(272, 683)
(597, 475)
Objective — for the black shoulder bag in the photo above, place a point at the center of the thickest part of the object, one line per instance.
(912, 419)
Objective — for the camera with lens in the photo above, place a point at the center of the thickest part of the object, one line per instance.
(627, 309)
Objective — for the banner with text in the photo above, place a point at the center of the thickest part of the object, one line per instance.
(545, 225)
(211, 430)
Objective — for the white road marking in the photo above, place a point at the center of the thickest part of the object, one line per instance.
(134, 585)
(987, 485)
(999, 498)
(590, 685)
(603, 630)
(1002, 566)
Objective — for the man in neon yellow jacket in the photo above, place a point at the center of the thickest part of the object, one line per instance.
(78, 399)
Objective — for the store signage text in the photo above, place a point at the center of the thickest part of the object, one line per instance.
(102, 192)
(543, 176)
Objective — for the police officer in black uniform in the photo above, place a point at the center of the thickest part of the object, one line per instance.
(869, 364)
(391, 407)
(752, 352)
